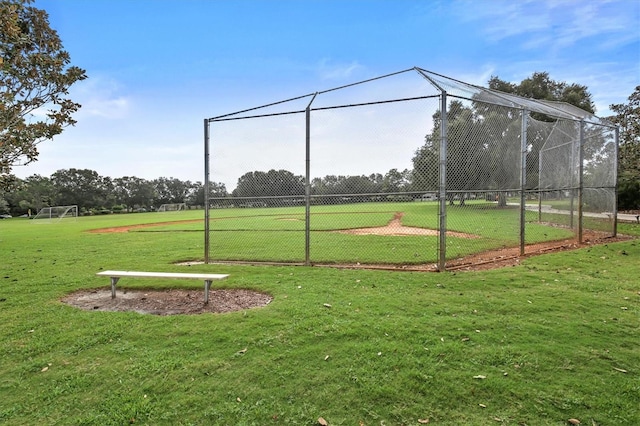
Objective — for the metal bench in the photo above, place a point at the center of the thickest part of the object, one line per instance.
(207, 278)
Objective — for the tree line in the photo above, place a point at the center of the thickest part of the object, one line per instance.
(95, 194)
(285, 183)
(628, 119)
(484, 145)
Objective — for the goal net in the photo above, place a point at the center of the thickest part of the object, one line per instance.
(175, 207)
(56, 213)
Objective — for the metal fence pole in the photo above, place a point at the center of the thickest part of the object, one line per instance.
(572, 181)
(206, 191)
(615, 183)
(307, 185)
(523, 178)
(580, 180)
(442, 186)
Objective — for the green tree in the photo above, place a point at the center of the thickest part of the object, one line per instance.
(326, 185)
(82, 187)
(393, 181)
(484, 145)
(424, 176)
(271, 183)
(31, 194)
(466, 154)
(196, 195)
(396, 181)
(132, 192)
(358, 185)
(541, 86)
(628, 119)
(171, 190)
(35, 78)
(9, 186)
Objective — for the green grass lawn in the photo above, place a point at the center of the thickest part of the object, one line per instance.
(552, 339)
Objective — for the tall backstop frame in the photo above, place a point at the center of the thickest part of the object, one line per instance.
(533, 158)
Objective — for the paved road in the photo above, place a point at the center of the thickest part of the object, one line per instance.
(548, 209)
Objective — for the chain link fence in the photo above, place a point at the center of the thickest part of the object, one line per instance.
(412, 168)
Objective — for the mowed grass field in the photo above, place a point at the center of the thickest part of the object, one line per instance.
(553, 339)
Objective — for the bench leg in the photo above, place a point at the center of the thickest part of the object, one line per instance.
(114, 281)
(207, 286)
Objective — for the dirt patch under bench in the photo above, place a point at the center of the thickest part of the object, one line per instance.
(168, 302)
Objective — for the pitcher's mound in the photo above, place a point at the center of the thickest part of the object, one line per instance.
(168, 302)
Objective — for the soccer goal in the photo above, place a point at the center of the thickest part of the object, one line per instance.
(174, 207)
(56, 213)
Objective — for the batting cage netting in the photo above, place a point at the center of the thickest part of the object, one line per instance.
(411, 168)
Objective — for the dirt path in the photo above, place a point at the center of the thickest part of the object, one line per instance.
(128, 228)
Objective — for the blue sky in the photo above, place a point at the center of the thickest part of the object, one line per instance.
(157, 68)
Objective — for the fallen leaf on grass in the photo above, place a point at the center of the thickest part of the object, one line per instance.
(44, 369)
(620, 370)
(481, 377)
(242, 351)
(482, 406)
(322, 421)
(423, 421)
(574, 421)
(326, 305)
(326, 357)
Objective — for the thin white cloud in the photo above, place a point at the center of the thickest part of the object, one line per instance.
(595, 19)
(102, 97)
(556, 24)
(331, 71)
(501, 19)
(607, 86)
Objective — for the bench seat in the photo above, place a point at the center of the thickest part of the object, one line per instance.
(207, 278)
